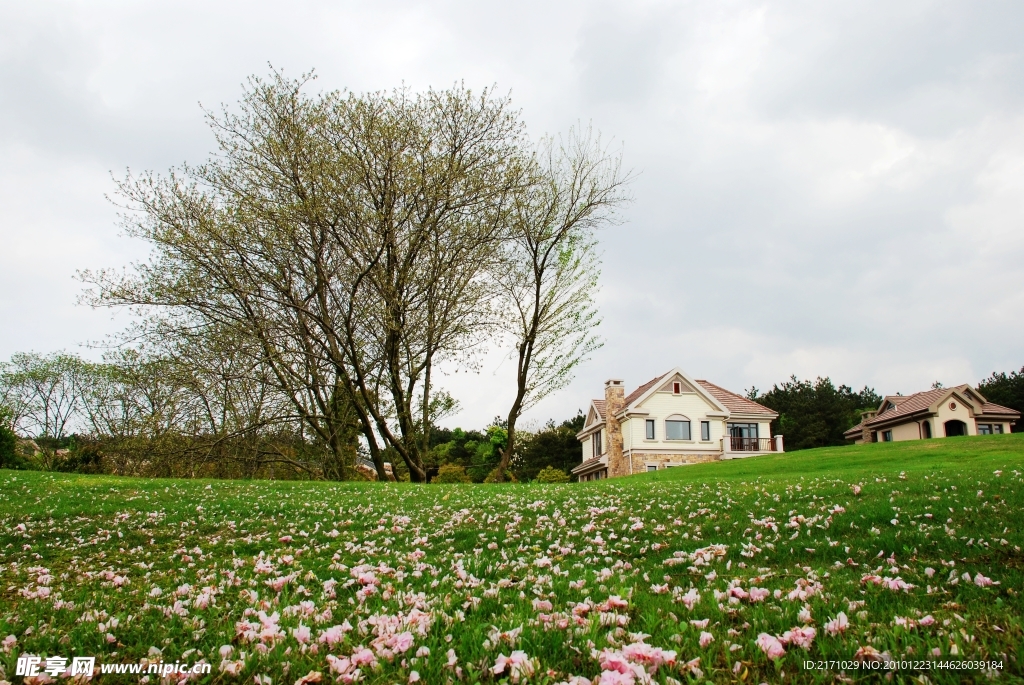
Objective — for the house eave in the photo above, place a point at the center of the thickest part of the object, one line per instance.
(875, 423)
(997, 417)
(754, 417)
(590, 430)
(590, 466)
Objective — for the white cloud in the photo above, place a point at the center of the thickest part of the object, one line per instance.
(824, 189)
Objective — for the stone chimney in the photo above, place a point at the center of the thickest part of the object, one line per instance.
(865, 431)
(614, 401)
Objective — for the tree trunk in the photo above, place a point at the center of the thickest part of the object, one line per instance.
(513, 415)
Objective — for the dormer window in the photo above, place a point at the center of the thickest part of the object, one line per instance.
(677, 387)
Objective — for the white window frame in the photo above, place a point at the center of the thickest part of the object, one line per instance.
(677, 388)
(595, 440)
(652, 467)
(650, 432)
(679, 418)
(705, 435)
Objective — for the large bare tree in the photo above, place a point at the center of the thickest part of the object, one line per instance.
(549, 272)
(345, 238)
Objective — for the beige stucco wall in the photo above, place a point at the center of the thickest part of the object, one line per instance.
(906, 431)
(961, 413)
(660, 406)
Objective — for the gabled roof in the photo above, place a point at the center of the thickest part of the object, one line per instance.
(724, 400)
(922, 402)
(737, 403)
(639, 395)
(909, 404)
(598, 408)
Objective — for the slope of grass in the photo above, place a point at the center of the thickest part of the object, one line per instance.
(610, 581)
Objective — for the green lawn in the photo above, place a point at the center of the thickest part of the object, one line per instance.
(610, 581)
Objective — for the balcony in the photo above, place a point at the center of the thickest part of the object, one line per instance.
(751, 444)
(734, 447)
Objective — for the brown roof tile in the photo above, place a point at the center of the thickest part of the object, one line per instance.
(909, 404)
(736, 403)
(730, 400)
(991, 408)
(858, 429)
(587, 464)
(635, 395)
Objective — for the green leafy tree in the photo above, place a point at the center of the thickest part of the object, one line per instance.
(1006, 389)
(555, 445)
(815, 414)
(452, 473)
(549, 474)
(492, 450)
(478, 452)
(8, 442)
(9, 457)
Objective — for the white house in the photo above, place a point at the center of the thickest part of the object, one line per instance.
(671, 420)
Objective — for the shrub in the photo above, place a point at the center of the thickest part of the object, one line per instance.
(9, 457)
(550, 474)
(495, 476)
(451, 473)
(82, 456)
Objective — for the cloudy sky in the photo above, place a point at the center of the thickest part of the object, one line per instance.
(823, 188)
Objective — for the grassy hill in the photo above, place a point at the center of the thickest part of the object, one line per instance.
(733, 571)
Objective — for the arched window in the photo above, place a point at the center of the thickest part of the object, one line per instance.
(955, 427)
(677, 427)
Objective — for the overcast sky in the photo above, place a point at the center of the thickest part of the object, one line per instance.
(823, 189)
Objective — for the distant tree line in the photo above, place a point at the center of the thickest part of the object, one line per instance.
(553, 446)
(134, 414)
(1006, 389)
(815, 413)
(161, 415)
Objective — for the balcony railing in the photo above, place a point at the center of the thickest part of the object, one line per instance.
(751, 444)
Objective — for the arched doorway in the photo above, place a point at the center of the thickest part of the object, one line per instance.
(954, 428)
(926, 429)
